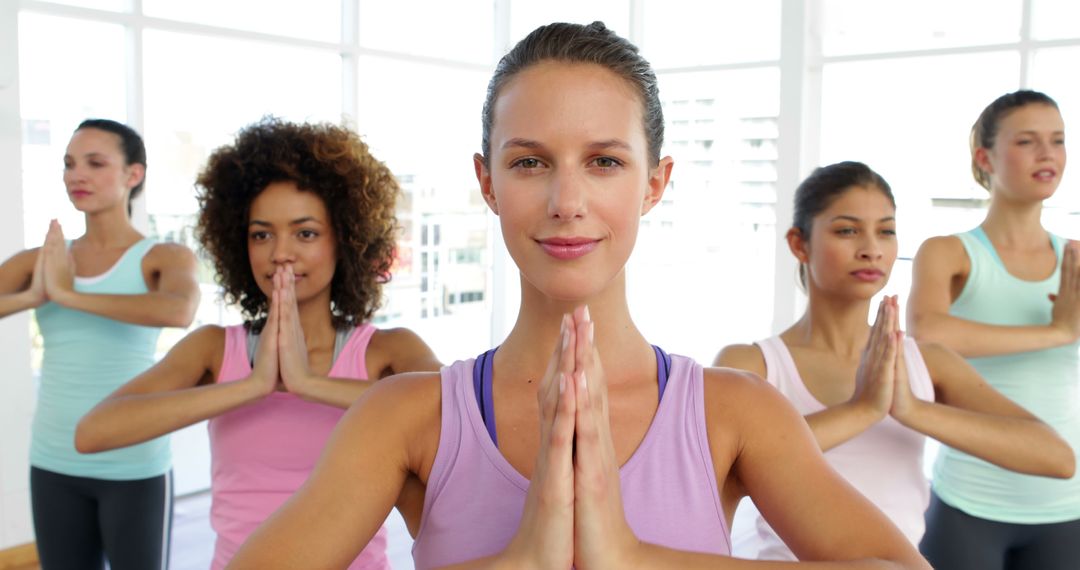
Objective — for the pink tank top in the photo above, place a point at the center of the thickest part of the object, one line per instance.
(263, 452)
(475, 497)
(885, 462)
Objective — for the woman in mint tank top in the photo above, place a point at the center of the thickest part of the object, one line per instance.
(100, 302)
(1006, 295)
(299, 222)
(576, 442)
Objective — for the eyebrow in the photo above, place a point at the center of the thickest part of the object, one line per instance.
(1034, 132)
(855, 219)
(94, 154)
(598, 145)
(295, 222)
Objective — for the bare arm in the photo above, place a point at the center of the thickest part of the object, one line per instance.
(392, 351)
(970, 415)
(940, 270)
(170, 303)
(176, 392)
(21, 287)
(383, 439)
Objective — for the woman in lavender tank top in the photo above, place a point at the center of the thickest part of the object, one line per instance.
(570, 161)
(298, 220)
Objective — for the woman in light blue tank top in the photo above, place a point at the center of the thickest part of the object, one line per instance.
(1006, 295)
(100, 301)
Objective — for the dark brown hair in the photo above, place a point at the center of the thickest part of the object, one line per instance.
(327, 160)
(575, 43)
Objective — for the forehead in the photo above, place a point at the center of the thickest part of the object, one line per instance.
(864, 202)
(285, 201)
(1032, 117)
(94, 140)
(558, 100)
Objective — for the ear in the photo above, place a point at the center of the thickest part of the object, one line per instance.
(136, 174)
(483, 176)
(798, 244)
(658, 181)
(982, 160)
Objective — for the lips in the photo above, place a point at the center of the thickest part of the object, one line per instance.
(1044, 175)
(567, 248)
(78, 193)
(868, 275)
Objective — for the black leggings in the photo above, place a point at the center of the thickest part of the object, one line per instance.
(81, 521)
(955, 540)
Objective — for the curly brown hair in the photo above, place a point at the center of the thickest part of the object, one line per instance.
(333, 163)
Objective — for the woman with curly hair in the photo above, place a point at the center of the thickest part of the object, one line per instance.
(299, 222)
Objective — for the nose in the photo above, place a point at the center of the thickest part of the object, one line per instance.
(282, 252)
(567, 195)
(870, 249)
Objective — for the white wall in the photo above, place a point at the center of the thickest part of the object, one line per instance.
(16, 385)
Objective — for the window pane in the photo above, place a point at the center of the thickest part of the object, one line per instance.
(717, 213)
(311, 19)
(1055, 19)
(895, 116)
(1053, 72)
(681, 33)
(57, 93)
(462, 30)
(429, 148)
(858, 26)
(526, 16)
(111, 5)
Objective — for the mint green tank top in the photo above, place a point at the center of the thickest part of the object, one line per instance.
(86, 357)
(1045, 382)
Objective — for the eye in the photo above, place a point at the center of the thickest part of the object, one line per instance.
(307, 235)
(607, 162)
(259, 236)
(845, 231)
(889, 232)
(527, 163)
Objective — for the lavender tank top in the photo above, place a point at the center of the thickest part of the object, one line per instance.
(475, 498)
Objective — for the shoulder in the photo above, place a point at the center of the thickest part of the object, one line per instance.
(945, 250)
(742, 356)
(401, 350)
(408, 406)
(170, 255)
(740, 404)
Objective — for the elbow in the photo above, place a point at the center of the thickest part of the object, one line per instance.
(86, 440)
(1065, 466)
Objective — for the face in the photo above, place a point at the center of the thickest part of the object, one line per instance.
(1028, 157)
(95, 172)
(569, 175)
(288, 226)
(852, 245)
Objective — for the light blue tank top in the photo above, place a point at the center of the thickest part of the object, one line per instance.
(1045, 382)
(87, 357)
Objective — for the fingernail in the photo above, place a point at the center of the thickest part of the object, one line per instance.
(581, 380)
(586, 313)
(592, 332)
(562, 383)
(565, 338)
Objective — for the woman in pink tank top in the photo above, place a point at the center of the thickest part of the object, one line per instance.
(544, 454)
(299, 222)
(871, 396)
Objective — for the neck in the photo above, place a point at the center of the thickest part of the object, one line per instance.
(532, 341)
(831, 323)
(1012, 223)
(110, 229)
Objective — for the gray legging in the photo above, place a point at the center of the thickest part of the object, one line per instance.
(955, 540)
(81, 521)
